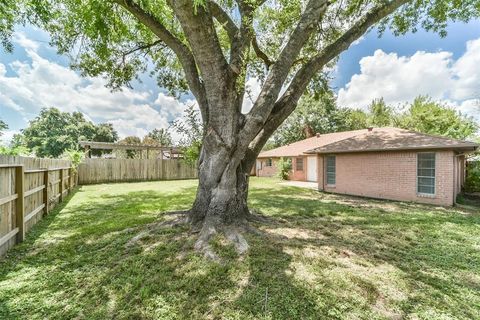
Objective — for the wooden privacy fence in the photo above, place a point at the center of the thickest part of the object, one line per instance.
(123, 170)
(26, 195)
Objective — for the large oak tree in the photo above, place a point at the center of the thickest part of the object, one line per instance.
(210, 48)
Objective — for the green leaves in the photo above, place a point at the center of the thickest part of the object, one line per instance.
(53, 132)
(426, 115)
(105, 40)
(3, 126)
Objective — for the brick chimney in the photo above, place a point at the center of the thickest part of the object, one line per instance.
(370, 129)
(318, 135)
(308, 131)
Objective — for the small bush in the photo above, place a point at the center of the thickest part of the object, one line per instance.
(472, 181)
(15, 151)
(76, 156)
(284, 167)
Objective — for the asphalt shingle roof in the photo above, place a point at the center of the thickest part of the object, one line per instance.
(379, 139)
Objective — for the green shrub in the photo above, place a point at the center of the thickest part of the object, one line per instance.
(472, 182)
(15, 151)
(284, 167)
(75, 156)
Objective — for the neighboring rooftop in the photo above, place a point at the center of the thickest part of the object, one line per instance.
(376, 139)
(300, 147)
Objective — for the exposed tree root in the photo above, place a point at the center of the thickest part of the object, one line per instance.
(233, 234)
(208, 230)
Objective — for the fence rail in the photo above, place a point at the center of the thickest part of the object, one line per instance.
(26, 196)
(92, 171)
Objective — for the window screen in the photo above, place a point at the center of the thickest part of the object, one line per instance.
(299, 164)
(331, 177)
(426, 173)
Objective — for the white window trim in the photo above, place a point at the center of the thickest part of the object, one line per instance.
(422, 194)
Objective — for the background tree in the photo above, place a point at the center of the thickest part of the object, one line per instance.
(52, 132)
(129, 154)
(356, 119)
(314, 114)
(3, 126)
(211, 48)
(190, 129)
(158, 137)
(428, 116)
(380, 115)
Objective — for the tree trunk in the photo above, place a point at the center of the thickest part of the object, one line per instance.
(221, 201)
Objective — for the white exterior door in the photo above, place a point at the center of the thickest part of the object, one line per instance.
(312, 169)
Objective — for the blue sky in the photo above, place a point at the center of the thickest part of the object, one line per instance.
(396, 68)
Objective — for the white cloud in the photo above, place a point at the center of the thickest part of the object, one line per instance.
(401, 79)
(21, 39)
(471, 107)
(43, 83)
(7, 137)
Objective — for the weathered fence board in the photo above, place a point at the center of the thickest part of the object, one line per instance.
(92, 171)
(27, 193)
(35, 163)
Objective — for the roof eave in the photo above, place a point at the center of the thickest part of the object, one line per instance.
(458, 147)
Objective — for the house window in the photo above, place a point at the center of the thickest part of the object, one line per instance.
(268, 162)
(259, 165)
(299, 164)
(426, 173)
(331, 170)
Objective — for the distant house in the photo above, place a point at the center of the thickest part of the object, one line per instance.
(387, 163)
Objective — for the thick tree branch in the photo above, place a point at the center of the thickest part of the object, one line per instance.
(262, 55)
(197, 24)
(240, 47)
(288, 102)
(224, 19)
(279, 71)
(178, 47)
(234, 32)
(327, 54)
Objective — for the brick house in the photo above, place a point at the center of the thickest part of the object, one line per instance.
(387, 163)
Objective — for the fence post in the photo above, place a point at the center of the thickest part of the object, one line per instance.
(20, 206)
(69, 185)
(46, 191)
(60, 186)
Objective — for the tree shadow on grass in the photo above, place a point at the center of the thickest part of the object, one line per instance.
(319, 259)
(433, 248)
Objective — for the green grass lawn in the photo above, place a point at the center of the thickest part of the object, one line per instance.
(322, 257)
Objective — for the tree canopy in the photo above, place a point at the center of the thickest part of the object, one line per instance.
(428, 116)
(314, 114)
(158, 137)
(321, 115)
(210, 48)
(53, 132)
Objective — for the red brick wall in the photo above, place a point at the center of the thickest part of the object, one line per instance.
(267, 171)
(298, 175)
(391, 175)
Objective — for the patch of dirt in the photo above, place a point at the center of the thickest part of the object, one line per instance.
(295, 233)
